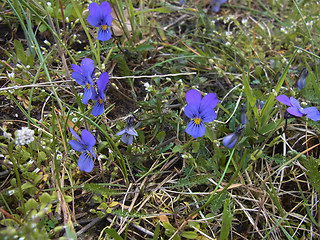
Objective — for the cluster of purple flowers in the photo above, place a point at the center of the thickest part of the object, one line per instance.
(100, 16)
(199, 110)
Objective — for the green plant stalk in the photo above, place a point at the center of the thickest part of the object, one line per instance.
(32, 89)
(55, 161)
(120, 14)
(268, 107)
(213, 195)
(96, 54)
(16, 172)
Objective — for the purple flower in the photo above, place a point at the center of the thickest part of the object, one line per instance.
(261, 104)
(128, 133)
(98, 96)
(296, 110)
(199, 110)
(216, 5)
(84, 144)
(302, 79)
(82, 74)
(100, 16)
(230, 140)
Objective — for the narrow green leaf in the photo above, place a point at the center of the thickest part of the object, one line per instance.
(226, 221)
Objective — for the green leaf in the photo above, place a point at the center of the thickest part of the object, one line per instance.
(226, 221)
(20, 52)
(189, 234)
(31, 204)
(45, 198)
(195, 147)
(178, 148)
(168, 227)
(113, 233)
(156, 232)
(161, 135)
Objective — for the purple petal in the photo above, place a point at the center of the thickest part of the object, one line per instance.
(208, 115)
(295, 103)
(75, 134)
(94, 21)
(191, 110)
(87, 66)
(77, 146)
(104, 35)
(127, 138)
(312, 113)
(105, 7)
(132, 132)
(122, 132)
(284, 99)
(95, 10)
(80, 79)
(208, 101)
(76, 68)
(87, 95)
(94, 95)
(195, 130)
(98, 109)
(193, 96)
(102, 83)
(108, 20)
(85, 162)
(230, 140)
(294, 111)
(88, 138)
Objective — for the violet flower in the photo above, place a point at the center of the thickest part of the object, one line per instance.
(100, 16)
(215, 5)
(98, 96)
(296, 110)
(84, 144)
(230, 140)
(128, 133)
(302, 79)
(82, 74)
(199, 110)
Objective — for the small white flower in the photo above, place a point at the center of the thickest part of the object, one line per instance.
(11, 192)
(24, 136)
(11, 75)
(244, 21)
(147, 86)
(49, 4)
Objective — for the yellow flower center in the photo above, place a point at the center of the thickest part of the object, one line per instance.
(104, 27)
(197, 120)
(100, 101)
(88, 85)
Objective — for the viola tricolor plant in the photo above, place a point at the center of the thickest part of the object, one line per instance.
(128, 133)
(100, 16)
(83, 76)
(84, 145)
(296, 110)
(98, 95)
(199, 111)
